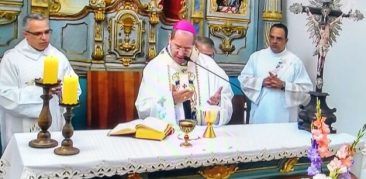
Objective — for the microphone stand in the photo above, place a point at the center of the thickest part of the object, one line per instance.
(233, 84)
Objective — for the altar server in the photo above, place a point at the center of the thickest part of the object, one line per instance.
(20, 101)
(275, 80)
(173, 88)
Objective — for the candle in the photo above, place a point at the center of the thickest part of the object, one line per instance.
(70, 89)
(50, 70)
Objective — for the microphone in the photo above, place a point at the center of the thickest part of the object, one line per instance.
(233, 84)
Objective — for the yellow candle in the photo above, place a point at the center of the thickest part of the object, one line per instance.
(70, 89)
(50, 70)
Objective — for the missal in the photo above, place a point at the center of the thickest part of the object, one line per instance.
(149, 128)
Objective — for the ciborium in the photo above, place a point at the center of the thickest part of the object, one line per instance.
(186, 126)
(210, 115)
(45, 119)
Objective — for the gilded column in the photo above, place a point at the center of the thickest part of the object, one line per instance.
(98, 7)
(154, 10)
(272, 13)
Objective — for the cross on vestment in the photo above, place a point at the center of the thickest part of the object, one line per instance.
(324, 24)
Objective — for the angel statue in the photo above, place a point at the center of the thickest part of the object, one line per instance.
(324, 24)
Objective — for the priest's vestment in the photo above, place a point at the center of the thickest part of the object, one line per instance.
(270, 105)
(155, 93)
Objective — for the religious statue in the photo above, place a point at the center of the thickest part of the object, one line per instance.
(324, 24)
(323, 30)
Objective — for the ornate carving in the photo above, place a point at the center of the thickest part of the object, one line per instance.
(97, 3)
(54, 6)
(126, 61)
(152, 52)
(218, 171)
(127, 25)
(272, 16)
(40, 6)
(99, 16)
(288, 165)
(7, 17)
(98, 53)
(125, 31)
(98, 32)
(154, 10)
(227, 33)
(184, 10)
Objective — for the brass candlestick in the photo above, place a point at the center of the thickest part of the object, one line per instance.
(210, 115)
(45, 119)
(186, 126)
(67, 147)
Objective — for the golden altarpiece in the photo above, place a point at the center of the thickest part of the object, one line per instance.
(120, 35)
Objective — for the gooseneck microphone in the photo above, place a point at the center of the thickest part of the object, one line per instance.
(233, 84)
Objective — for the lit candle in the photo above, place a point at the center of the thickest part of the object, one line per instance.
(50, 70)
(70, 89)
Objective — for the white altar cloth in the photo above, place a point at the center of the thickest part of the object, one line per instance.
(102, 155)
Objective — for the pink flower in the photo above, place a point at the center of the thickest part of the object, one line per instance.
(324, 152)
(347, 162)
(342, 153)
(334, 164)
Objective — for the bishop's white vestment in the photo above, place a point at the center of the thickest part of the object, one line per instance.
(270, 105)
(155, 94)
(20, 101)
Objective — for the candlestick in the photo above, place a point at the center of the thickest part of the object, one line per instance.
(50, 70)
(70, 89)
(45, 119)
(67, 147)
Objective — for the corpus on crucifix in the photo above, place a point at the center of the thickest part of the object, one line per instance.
(324, 24)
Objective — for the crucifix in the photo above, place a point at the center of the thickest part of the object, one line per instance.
(324, 24)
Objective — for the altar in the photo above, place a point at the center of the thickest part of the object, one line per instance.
(101, 155)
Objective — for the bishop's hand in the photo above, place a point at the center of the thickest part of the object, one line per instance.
(216, 98)
(179, 96)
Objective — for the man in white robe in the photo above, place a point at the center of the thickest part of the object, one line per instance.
(169, 81)
(20, 101)
(275, 80)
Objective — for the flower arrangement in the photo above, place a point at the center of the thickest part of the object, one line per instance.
(340, 165)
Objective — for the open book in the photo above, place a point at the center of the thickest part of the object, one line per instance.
(149, 128)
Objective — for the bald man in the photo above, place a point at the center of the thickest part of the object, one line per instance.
(173, 89)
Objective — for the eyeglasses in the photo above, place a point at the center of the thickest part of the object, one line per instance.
(186, 50)
(38, 34)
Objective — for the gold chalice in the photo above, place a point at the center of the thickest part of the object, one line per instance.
(187, 126)
(210, 115)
